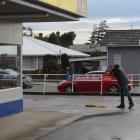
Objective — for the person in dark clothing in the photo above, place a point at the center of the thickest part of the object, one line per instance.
(123, 81)
(109, 69)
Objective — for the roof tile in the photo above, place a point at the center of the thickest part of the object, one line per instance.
(121, 38)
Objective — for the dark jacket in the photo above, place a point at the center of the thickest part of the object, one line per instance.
(120, 76)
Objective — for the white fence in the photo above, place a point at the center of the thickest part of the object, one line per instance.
(48, 83)
(45, 83)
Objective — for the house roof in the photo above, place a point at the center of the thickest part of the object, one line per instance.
(36, 47)
(87, 48)
(121, 38)
(82, 47)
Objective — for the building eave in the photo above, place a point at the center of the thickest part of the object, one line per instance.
(97, 58)
(76, 15)
(34, 11)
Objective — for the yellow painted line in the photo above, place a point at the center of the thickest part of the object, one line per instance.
(95, 105)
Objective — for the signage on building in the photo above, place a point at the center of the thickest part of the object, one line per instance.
(75, 6)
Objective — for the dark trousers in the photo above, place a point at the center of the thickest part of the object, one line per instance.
(124, 91)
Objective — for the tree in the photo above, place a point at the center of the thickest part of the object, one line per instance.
(64, 61)
(58, 38)
(64, 40)
(40, 36)
(30, 31)
(99, 32)
(67, 39)
(52, 38)
(50, 64)
(27, 31)
(93, 35)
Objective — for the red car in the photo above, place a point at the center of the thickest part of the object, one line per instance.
(91, 82)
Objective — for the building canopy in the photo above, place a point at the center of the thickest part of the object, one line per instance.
(37, 11)
(36, 47)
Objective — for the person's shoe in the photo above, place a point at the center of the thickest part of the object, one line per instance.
(130, 106)
(121, 106)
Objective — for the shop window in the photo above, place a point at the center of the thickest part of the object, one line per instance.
(10, 66)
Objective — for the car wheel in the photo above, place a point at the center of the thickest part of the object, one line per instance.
(68, 89)
(113, 90)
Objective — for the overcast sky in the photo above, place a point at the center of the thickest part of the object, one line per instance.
(120, 14)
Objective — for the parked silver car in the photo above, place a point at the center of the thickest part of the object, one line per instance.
(27, 81)
(9, 78)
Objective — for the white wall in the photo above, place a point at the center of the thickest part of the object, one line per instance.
(11, 100)
(8, 95)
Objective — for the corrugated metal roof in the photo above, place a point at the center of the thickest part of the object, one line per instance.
(82, 47)
(35, 47)
(87, 48)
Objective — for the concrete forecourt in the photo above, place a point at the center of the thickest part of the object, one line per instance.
(52, 114)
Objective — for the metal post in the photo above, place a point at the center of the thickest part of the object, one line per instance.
(131, 81)
(44, 89)
(72, 82)
(101, 93)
